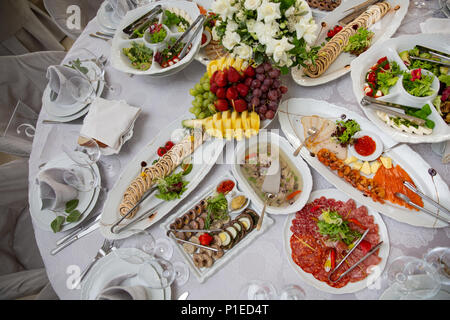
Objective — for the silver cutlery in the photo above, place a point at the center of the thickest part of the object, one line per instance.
(103, 251)
(435, 52)
(411, 187)
(431, 213)
(142, 22)
(444, 63)
(393, 147)
(147, 214)
(356, 11)
(183, 296)
(199, 18)
(312, 132)
(348, 254)
(71, 240)
(188, 43)
(58, 122)
(357, 263)
(172, 236)
(99, 37)
(270, 186)
(106, 35)
(79, 229)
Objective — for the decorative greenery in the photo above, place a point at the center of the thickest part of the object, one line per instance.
(73, 216)
(332, 225)
(171, 187)
(76, 64)
(217, 208)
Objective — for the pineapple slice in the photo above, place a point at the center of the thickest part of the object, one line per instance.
(245, 120)
(234, 116)
(227, 128)
(238, 63)
(238, 132)
(254, 121)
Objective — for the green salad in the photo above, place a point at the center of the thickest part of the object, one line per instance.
(157, 33)
(345, 130)
(418, 64)
(172, 19)
(217, 207)
(418, 84)
(140, 56)
(332, 225)
(359, 42)
(171, 187)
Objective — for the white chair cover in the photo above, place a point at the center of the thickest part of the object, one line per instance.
(23, 78)
(26, 28)
(58, 10)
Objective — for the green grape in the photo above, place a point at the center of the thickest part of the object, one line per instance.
(191, 109)
(197, 110)
(206, 86)
(199, 98)
(193, 102)
(212, 108)
(206, 103)
(205, 95)
(198, 87)
(198, 104)
(211, 95)
(193, 92)
(201, 115)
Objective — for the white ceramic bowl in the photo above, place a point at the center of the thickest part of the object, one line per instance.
(265, 137)
(379, 146)
(423, 100)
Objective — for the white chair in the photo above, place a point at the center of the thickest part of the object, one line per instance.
(25, 28)
(62, 11)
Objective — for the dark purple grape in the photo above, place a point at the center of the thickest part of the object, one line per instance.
(256, 84)
(263, 96)
(257, 92)
(269, 114)
(262, 116)
(260, 69)
(272, 95)
(267, 67)
(264, 88)
(283, 89)
(273, 105)
(276, 84)
(274, 73)
(254, 102)
(262, 109)
(248, 98)
(248, 82)
(260, 77)
(267, 82)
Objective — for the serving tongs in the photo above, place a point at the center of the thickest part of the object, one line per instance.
(384, 106)
(405, 198)
(434, 52)
(411, 187)
(349, 253)
(200, 19)
(356, 11)
(140, 217)
(140, 23)
(170, 234)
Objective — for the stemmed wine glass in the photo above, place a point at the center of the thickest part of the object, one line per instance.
(413, 278)
(146, 244)
(292, 292)
(259, 290)
(439, 258)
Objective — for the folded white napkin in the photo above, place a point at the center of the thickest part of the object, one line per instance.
(108, 121)
(435, 25)
(54, 192)
(58, 77)
(115, 291)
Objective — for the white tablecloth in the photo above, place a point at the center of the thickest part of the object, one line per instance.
(162, 100)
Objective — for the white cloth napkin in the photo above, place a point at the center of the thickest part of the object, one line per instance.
(58, 77)
(114, 291)
(108, 121)
(54, 192)
(435, 25)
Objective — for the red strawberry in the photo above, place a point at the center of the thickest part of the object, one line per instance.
(232, 93)
(240, 105)
(221, 93)
(213, 88)
(213, 77)
(221, 78)
(249, 72)
(242, 89)
(233, 75)
(221, 105)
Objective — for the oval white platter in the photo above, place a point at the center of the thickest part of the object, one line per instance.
(203, 160)
(120, 40)
(290, 113)
(111, 267)
(263, 138)
(383, 29)
(204, 273)
(88, 199)
(351, 286)
(391, 48)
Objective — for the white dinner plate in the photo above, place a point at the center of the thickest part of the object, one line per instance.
(204, 159)
(383, 29)
(120, 62)
(290, 114)
(302, 168)
(87, 200)
(57, 112)
(391, 48)
(110, 267)
(351, 286)
(204, 273)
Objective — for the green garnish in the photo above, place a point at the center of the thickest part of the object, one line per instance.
(420, 87)
(388, 78)
(422, 113)
(74, 216)
(57, 223)
(71, 205)
(140, 55)
(76, 64)
(359, 42)
(172, 19)
(332, 225)
(158, 35)
(345, 131)
(217, 208)
(171, 187)
(445, 78)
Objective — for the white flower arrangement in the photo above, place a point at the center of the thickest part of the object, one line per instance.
(281, 31)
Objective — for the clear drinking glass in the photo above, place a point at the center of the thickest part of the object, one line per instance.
(258, 290)
(440, 259)
(163, 248)
(414, 278)
(292, 292)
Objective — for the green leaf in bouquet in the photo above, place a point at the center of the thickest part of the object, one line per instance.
(57, 223)
(284, 70)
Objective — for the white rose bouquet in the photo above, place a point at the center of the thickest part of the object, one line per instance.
(281, 31)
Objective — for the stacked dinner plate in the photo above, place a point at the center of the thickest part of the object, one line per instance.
(66, 113)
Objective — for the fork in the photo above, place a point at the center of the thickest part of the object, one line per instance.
(103, 251)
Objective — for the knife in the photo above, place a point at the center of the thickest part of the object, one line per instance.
(183, 296)
(75, 238)
(357, 10)
(79, 229)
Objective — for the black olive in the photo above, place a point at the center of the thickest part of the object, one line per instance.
(432, 172)
(343, 116)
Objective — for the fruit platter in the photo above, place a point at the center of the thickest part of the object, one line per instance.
(220, 226)
(151, 48)
(390, 73)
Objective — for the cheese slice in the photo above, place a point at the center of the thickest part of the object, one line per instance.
(366, 168)
(357, 165)
(350, 160)
(375, 166)
(387, 162)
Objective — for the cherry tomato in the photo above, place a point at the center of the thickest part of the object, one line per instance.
(371, 77)
(330, 33)
(386, 66)
(381, 60)
(337, 28)
(365, 246)
(369, 92)
(169, 145)
(205, 239)
(161, 151)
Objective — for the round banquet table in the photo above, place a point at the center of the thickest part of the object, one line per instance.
(162, 100)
